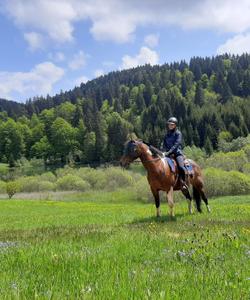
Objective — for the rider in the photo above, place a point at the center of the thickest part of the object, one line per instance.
(172, 145)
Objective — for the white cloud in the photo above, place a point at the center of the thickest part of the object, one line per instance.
(79, 80)
(53, 18)
(57, 56)
(78, 61)
(38, 81)
(237, 45)
(98, 73)
(152, 40)
(117, 20)
(108, 64)
(35, 40)
(145, 56)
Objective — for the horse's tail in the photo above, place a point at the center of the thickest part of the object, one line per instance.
(197, 198)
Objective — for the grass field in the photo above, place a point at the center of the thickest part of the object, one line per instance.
(119, 250)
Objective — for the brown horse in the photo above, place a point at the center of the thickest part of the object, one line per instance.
(162, 178)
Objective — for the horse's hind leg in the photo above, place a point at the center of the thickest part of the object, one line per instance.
(186, 193)
(170, 198)
(204, 198)
(157, 201)
(197, 198)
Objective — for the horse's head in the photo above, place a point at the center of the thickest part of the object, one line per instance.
(132, 150)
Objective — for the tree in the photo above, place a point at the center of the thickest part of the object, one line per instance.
(42, 149)
(117, 132)
(63, 138)
(208, 146)
(66, 111)
(77, 115)
(11, 141)
(199, 94)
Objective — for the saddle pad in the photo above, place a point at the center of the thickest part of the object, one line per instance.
(171, 164)
(188, 166)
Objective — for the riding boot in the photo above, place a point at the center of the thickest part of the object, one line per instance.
(184, 185)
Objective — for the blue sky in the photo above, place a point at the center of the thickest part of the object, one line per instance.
(53, 45)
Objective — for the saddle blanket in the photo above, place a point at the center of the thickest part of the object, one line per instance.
(187, 164)
(171, 164)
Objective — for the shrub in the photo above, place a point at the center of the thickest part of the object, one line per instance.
(110, 178)
(72, 183)
(142, 191)
(31, 167)
(227, 161)
(31, 184)
(219, 182)
(95, 177)
(2, 187)
(48, 176)
(4, 170)
(64, 171)
(246, 149)
(195, 154)
(45, 186)
(117, 178)
(246, 169)
(12, 187)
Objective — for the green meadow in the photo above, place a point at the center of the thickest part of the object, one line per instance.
(85, 249)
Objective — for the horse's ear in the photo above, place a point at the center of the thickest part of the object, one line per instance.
(146, 143)
(132, 136)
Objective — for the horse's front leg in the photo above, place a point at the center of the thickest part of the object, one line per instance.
(157, 201)
(170, 198)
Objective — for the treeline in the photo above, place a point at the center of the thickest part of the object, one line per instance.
(209, 96)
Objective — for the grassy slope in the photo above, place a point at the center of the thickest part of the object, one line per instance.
(88, 250)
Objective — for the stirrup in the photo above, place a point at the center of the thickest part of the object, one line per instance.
(184, 186)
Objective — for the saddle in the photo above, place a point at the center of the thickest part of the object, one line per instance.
(187, 164)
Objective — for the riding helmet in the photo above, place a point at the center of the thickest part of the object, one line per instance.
(172, 120)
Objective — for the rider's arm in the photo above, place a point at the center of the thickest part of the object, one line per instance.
(176, 144)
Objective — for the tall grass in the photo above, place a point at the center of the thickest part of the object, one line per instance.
(80, 250)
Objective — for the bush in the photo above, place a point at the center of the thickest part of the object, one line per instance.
(219, 182)
(195, 154)
(45, 186)
(48, 176)
(246, 149)
(2, 187)
(72, 183)
(12, 187)
(227, 161)
(31, 184)
(117, 178)
(109, 179)
(95, 177)
(4, 170)
(64, 171)
(31, 167)
(246, 169)
(142, 191)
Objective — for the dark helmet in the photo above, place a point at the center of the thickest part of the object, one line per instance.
(173, 120)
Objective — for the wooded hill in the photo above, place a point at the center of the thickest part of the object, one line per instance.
(209, 96)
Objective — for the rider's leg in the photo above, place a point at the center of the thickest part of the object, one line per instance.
(180, 162)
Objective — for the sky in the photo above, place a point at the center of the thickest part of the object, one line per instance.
(48, 46)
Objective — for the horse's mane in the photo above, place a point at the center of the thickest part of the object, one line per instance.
(155, 151)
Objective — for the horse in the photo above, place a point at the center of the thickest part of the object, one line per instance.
(162, 178)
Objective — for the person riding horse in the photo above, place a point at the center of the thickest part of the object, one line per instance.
(172, 145)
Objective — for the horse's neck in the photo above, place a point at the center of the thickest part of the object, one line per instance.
(149, 164)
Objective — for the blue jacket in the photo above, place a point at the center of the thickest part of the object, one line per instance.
(172, 142)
